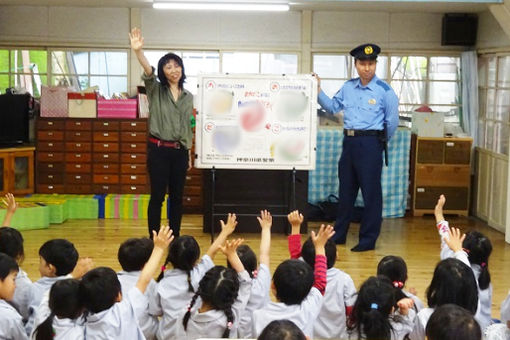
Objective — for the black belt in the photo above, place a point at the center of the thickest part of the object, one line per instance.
(355, 133)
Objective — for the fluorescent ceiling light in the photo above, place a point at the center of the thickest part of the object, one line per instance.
(222, 6)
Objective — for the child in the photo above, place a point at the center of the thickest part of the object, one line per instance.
(261, 277)
(478, 249)
(65, 309)
(11, 243)
(299, 292)
(374, 315)
(282, 330)
(57, 259)
(340, 292)
(113, 316)
(178, 285)
(500, 331)
(395, 269)
(11, 324)
(224, 293)
(132, 255)
(452, 282)
(451, 322)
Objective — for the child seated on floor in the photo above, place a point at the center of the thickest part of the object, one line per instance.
(379, 314)
(340, 292)
(395, 269)
(177, 286)
(11, 323)
(451, 322)
(133, 254)
(282, 330)
(11, 243)
(65, 312)
(260, 275)
(299, 291)
(477, 248)
(500, 331)
(110, 314)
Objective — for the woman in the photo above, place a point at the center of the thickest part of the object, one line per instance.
(170, 134)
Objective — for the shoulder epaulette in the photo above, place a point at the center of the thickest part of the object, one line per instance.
(382, 84)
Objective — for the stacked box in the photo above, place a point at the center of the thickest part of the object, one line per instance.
(129, 206)
(29, 216)
(78, 206)
(59, 207)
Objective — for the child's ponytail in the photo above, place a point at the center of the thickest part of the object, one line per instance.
(45, 330)
(230, 322)
(188, 312)
(375, 325)
(479, 248)
(190, 286)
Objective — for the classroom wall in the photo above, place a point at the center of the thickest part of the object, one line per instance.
(490, 33)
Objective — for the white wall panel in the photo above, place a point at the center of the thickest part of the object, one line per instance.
(23, 23)
(490, 33)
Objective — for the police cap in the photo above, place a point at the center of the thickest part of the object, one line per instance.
(366, 52)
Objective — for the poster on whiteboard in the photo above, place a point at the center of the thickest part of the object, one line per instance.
(256, 122)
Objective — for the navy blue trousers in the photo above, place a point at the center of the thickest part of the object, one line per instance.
(360, 166)
(167, 171)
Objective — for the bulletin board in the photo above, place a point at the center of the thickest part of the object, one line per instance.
(256, 122)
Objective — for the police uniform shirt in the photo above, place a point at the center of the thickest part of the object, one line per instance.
(148, 323)
(120, 321)
(303, 314)
(212, 324)
(365, 107)
(259, 298)
(11, 324)
(172, 296)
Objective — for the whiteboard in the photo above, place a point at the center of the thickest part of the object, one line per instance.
(247, 121)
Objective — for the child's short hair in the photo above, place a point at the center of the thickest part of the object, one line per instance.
(395, 269)
(453, 282)
(7, 266)
(293, 280)
(64, 302)
(479, 248)
(247, 257)
(452, 322)
(219, 288)
(134, 253)
(282, 330)
(372, 309)
(308, 252)
(183, 254)
(11, 243)
(61, 254)
(99, 289)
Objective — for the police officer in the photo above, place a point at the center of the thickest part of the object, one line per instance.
(370, 113)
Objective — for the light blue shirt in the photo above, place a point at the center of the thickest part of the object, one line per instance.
(365, 107)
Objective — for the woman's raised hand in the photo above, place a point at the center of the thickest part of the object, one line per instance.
(136, 39)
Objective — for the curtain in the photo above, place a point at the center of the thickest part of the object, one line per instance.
(469, 76)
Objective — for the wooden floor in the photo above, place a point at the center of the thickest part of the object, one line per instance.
(413, 238)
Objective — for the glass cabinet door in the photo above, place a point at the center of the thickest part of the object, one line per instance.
(21, 172)
(3, 174)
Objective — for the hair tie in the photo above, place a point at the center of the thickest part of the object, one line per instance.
(374, 306)
(255, 273)
(229, 325)
(483, 264)
(398, 284)
(188, 307)
(163, 267)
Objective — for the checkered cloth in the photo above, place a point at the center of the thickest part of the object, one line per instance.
(323, 181)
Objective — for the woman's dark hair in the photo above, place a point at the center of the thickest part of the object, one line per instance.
(134, 253)
(308, 252)
(247, 257)
(371, 312)
(453, 282)
(218, 288)
(452, 322)
(183, 254)
(293, 280)
(281, 330)
(161, 64)
(479, 248)
(11, 243)
(7, 266)
(64, 302)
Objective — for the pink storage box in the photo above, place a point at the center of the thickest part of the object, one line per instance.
(116, 108)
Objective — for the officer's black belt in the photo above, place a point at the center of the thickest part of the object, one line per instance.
(355, 133)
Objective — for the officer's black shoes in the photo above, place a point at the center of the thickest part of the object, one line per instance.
(358, 248)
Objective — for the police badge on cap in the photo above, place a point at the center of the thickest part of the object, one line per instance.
(366, 52)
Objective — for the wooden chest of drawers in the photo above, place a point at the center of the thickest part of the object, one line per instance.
(94, 156)
(440, 166)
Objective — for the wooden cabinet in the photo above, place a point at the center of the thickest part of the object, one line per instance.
(17, 170)
(440, 166)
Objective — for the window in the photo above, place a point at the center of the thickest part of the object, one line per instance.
(494, 102)
(417, 80)
(23, 69)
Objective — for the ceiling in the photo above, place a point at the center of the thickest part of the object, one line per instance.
(339, 5)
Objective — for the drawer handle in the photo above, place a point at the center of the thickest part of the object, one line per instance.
(133, 166)
(50, 176)
(133, 124)
(50, 155)
(133, 146)
(133, 188)
(133, 177)
(106, 166)
(50, 165)
(50, 123)
(106, 124)
(50, 144)
(420, 189)
(50, 186)
(78, 155)
(78, 134)
(78, 145)
(105, 177)
(78, 123)
(50, 133)
(133, 134)
(105, 156)
(106, 145)
(133, 156)
(106, 187)
(106, 134)
(77, 177)
(450, 144)
(78, 166)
